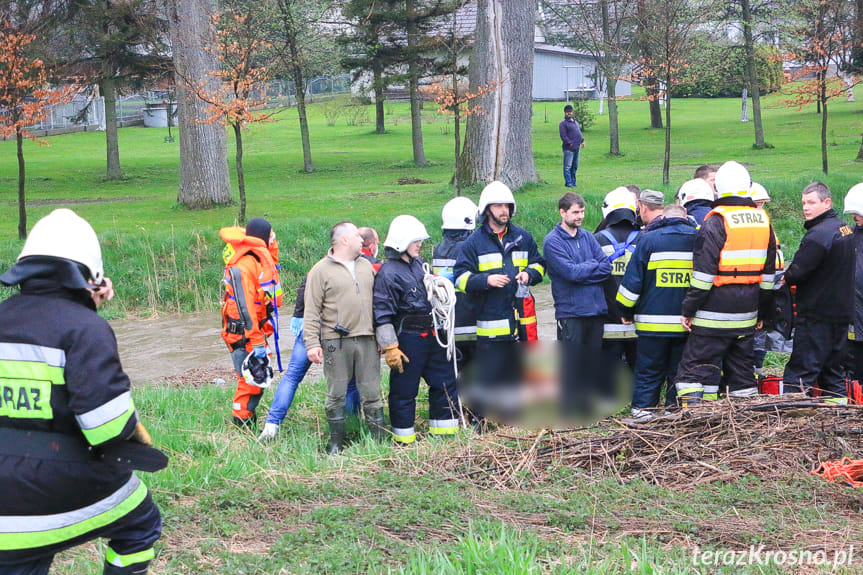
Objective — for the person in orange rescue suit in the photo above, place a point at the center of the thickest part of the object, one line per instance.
(252, 294)
(731, 292)
(65, 400)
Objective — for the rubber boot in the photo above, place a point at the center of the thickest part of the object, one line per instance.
(134, 569)
(250, 423)
(689, 393)
(337, 434)
(377, 427)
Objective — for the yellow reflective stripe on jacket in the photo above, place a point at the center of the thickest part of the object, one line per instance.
(659, 323)
(626, 297)
(461, 281)
(701, 280)
(718, 320)
(670, 260)
(488, 262)
(618, 331)
(27, 532)
(28, 373)
(519, 259)
(493, 328)
(538, 267)
(108, 420)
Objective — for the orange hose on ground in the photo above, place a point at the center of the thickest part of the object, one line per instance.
(848, 471)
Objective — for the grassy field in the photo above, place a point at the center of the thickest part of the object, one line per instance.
(234, 506)
(164, 258)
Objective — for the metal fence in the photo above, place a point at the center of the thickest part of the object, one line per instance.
(86, 113)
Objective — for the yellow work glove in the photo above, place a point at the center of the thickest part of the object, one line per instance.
(141, 435)
(395, 358)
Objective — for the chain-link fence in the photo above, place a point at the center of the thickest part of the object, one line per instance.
(86, 113)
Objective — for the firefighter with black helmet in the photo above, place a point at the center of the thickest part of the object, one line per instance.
(731, 291)
(405, 333)
(66, 399)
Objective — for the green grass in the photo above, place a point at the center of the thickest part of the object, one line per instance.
(232, 505)
(164, 258)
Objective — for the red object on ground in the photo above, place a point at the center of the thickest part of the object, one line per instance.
(847, 470)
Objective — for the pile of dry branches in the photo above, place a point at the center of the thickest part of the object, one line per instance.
(714, 441)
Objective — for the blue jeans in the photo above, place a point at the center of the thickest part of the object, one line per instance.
(570, 166)
(298, 366)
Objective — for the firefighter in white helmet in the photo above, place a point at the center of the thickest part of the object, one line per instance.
(854, 206)
(459, 217)
(405, 333)
(617, 240)
(759, 195)
(492, 264)
(730, 293)
(697, 197)
(71, 400)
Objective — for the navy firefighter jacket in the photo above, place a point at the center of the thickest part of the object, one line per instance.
(657, 277)
(399, 291)
(484, 254)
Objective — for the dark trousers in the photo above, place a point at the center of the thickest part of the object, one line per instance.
(856, 349)
(580, 341)
(427, 361)
(709, 359)
(655, 366)
(819, 349)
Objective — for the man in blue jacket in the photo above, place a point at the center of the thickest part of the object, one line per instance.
(572, 141)
(651, 293)
(577, 267)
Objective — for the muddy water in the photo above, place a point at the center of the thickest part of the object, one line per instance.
(159, 348)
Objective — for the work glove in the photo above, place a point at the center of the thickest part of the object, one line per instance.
(395, 358)
(260, 351)
(270, 431)
(297, 326)
(141, 435)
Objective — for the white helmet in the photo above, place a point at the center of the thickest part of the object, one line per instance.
(759, 192)
(496, 193)
(64, 234)
(257, 371)
(854, 200)
(732, 181)
(696, 189)
(618, 199)
(459, 214)
(404, 230)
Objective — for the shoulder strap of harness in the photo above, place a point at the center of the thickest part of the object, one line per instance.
(620, 248)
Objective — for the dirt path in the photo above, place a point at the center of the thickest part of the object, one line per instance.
(153, 350)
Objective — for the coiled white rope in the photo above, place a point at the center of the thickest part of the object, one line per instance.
(441, 295)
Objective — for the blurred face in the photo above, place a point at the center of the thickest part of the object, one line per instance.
(813, 206)
(414, 249)
(353, 241)
(858, 219)
(573, 217)
(760, 203)
(499, 213)
(711, 179)
(568, 114)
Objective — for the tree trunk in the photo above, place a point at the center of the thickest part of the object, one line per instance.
(611, 90)
(613, 126)
(498, 143)
(860, 153)
(300, 89)
(112, 141)
(204, 180)
(241, 176)
(413, 84)
(824, 135)
(651, 86)
(22, 207)
(380, 128)
(666, 162)
(752, 74)
(653, 93)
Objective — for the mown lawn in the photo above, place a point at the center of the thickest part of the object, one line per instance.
(232, 505)
(163, 257)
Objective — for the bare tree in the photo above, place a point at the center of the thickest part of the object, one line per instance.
(606, 30)
(498, 142)
(204, 181)
(667, 27)
(647, 72)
